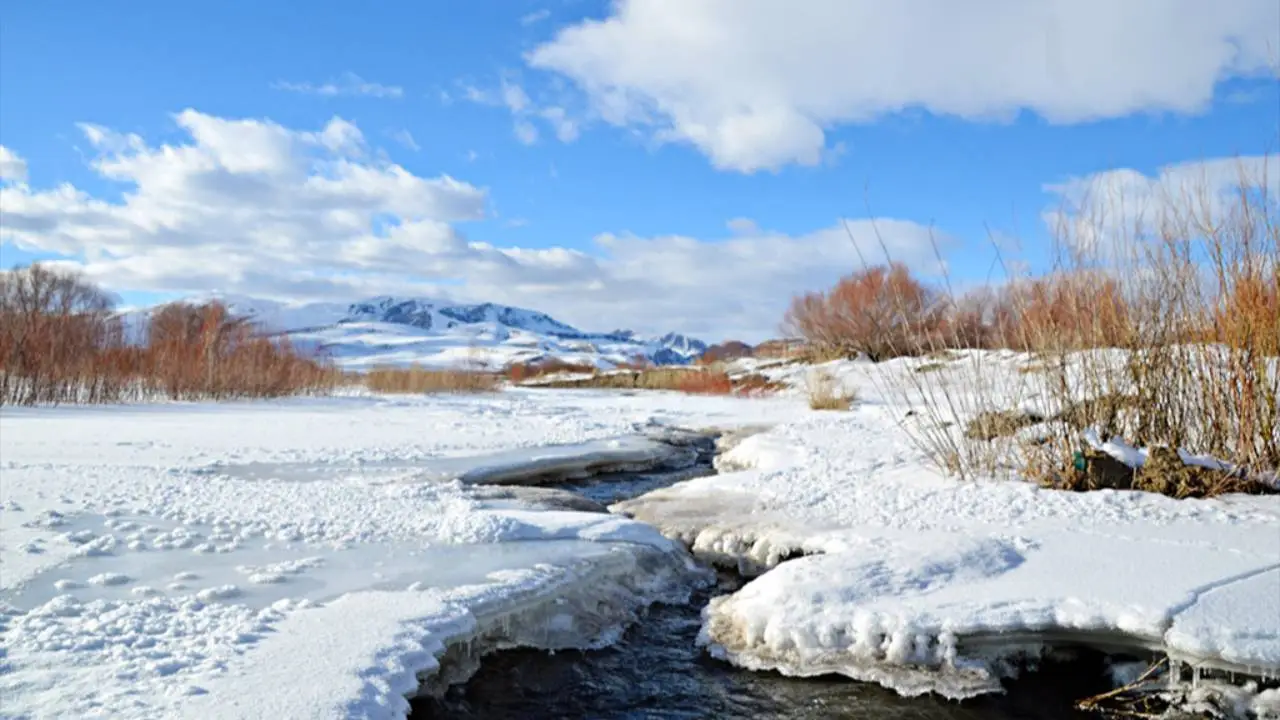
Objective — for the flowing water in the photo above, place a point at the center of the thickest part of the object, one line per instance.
(657, 671)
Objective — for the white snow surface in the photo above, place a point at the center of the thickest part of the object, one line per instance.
(927, 584)
(312, 557)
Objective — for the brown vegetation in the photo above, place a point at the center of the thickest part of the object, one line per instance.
(694, 380)
(881, 312)
(1166, 336)
(417, 380)
(520, 372)
(61, 341)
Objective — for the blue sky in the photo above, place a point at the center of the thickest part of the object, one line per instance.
(652, 164)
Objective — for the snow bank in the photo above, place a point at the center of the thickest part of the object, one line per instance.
(363, 654)
(872, 565)
(299, 558)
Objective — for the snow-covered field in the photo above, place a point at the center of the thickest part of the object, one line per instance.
(311, 558)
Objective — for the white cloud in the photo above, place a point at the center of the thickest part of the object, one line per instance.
(754, 84)
(566, 128)
(254, 208)
(12, 167)
(535, 17)
(525, 132)
(405, 138)
(514, 97)
(1102, 214)
(348, 84)
(524, 111)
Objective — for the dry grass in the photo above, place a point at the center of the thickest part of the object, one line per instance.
(521, 372)
(1163, 332)
(998, 424)
(825, 392)
(705, 383)
(419, 380)
(755, 385)
(61, 342)
(695, 380)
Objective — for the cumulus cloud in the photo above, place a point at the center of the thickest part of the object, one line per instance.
(250, 207)
(1103, 213)
(12, 167)
(755, 84)
(348, 84)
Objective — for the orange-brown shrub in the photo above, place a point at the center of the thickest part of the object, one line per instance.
(881, 311)
(755, 385)
(705, 383)
(1063, 311)
(202, 351)
(60, 341)
(520, 372)
(1248, 313)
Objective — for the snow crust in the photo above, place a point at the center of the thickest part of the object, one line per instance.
(871, 564)
(316, 557)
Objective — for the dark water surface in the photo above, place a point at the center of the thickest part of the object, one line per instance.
(657, 672)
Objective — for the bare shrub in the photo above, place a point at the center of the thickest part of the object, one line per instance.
(53, 326)
(755, 385)
(201, 351)
(60, 341)
(521, 372)
(882, 312)
(708, 382)
(1163, 333)
(418, 380)
(1066, 310)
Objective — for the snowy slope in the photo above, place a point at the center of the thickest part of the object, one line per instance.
(402, 331)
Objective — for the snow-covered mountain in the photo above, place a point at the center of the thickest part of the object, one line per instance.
(402, 331)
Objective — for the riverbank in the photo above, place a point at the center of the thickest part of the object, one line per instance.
(330, 557)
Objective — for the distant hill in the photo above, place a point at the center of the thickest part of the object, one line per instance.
(403, 331)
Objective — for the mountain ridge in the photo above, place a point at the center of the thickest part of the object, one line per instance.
(394, 330)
